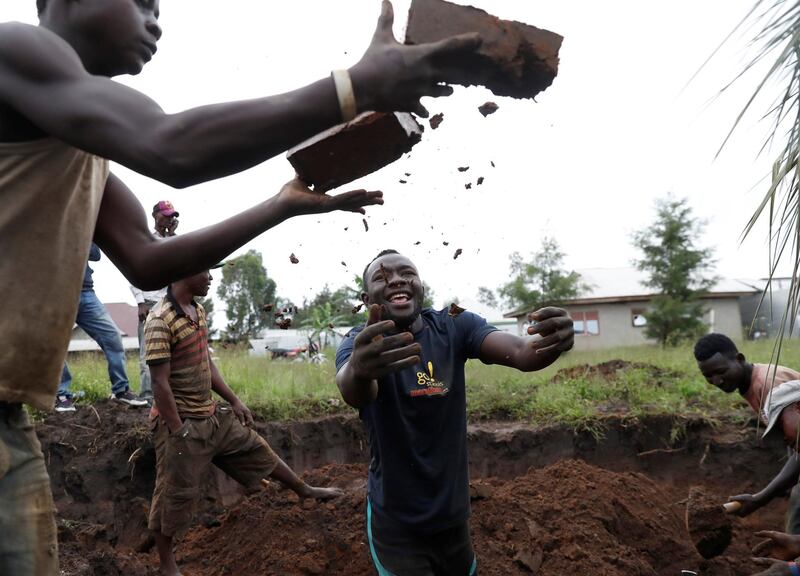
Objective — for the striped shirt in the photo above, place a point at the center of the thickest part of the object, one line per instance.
(171, 336)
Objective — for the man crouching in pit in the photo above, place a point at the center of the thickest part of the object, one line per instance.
(191, 430)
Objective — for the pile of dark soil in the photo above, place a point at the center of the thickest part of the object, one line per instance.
(568, 518)
(610, 371)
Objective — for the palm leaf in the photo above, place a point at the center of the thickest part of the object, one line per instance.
(777, 36)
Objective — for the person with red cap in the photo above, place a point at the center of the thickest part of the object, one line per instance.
(165, 222)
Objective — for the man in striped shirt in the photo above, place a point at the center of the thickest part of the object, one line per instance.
(191, 430)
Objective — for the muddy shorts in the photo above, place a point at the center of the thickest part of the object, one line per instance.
(184, 459)
(792, 520)
(28, 544)
(396, 551)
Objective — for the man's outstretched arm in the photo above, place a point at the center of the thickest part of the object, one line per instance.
(782, 482)
(547, 339)
(43, 79)
(122, 231)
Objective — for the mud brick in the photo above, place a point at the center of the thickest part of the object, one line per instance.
(349, 151)
(515, 59)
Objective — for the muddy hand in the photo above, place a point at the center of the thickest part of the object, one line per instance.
(777, 545)
(243, 414)
(555, 328)
(375, 354)
(749, 502)
(393, 77)
(774, 567)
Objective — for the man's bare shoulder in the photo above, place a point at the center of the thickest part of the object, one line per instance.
(34, 53)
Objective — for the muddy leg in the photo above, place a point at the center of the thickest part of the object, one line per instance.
(286, 476)
(166, 556)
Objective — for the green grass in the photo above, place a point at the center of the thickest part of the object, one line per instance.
(283, 390)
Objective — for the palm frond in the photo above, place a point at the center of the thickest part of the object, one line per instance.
(776, 42)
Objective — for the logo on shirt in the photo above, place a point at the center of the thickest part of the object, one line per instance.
(427, 385)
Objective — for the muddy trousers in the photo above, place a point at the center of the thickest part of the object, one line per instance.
(28, 545)
(793, 512)
(397, 552)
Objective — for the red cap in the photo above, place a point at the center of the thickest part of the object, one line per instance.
(166, 208)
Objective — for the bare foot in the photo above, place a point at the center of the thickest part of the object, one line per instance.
(320, 493)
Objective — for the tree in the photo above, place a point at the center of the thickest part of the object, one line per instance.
(322, 319)
(340, 302)
(245, 289)
(539, 282)
(427, 298)
(677, 269)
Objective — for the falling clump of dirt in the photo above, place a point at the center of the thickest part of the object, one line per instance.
(455, 310)
(488, 108)
(610, 371)
(709, 527)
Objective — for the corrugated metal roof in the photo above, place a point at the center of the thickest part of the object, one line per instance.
(626, 284)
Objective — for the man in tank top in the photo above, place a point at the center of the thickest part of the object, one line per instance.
(61, 121)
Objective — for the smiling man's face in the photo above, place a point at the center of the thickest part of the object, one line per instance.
(392, 281)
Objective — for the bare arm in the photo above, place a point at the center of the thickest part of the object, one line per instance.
(43, 79)
(552, 335)
(782, 482)
(123, 234)
(374, 355)
(162, 393)
(219, 386)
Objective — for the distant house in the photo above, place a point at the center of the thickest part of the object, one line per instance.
(763, 316)
(614, 310)
(124, 315)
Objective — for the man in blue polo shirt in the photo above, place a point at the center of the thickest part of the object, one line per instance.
(404, 371)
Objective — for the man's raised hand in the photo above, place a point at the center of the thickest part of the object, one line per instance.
(299, 199)
(393, 77)
(375, 354)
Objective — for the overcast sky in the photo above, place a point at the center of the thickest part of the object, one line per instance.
(584, 164)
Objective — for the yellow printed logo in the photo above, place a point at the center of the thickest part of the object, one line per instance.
(429, 386)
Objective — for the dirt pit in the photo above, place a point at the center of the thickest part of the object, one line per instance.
(544, 501)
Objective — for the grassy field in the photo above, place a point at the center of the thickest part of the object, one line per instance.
(667, 383)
